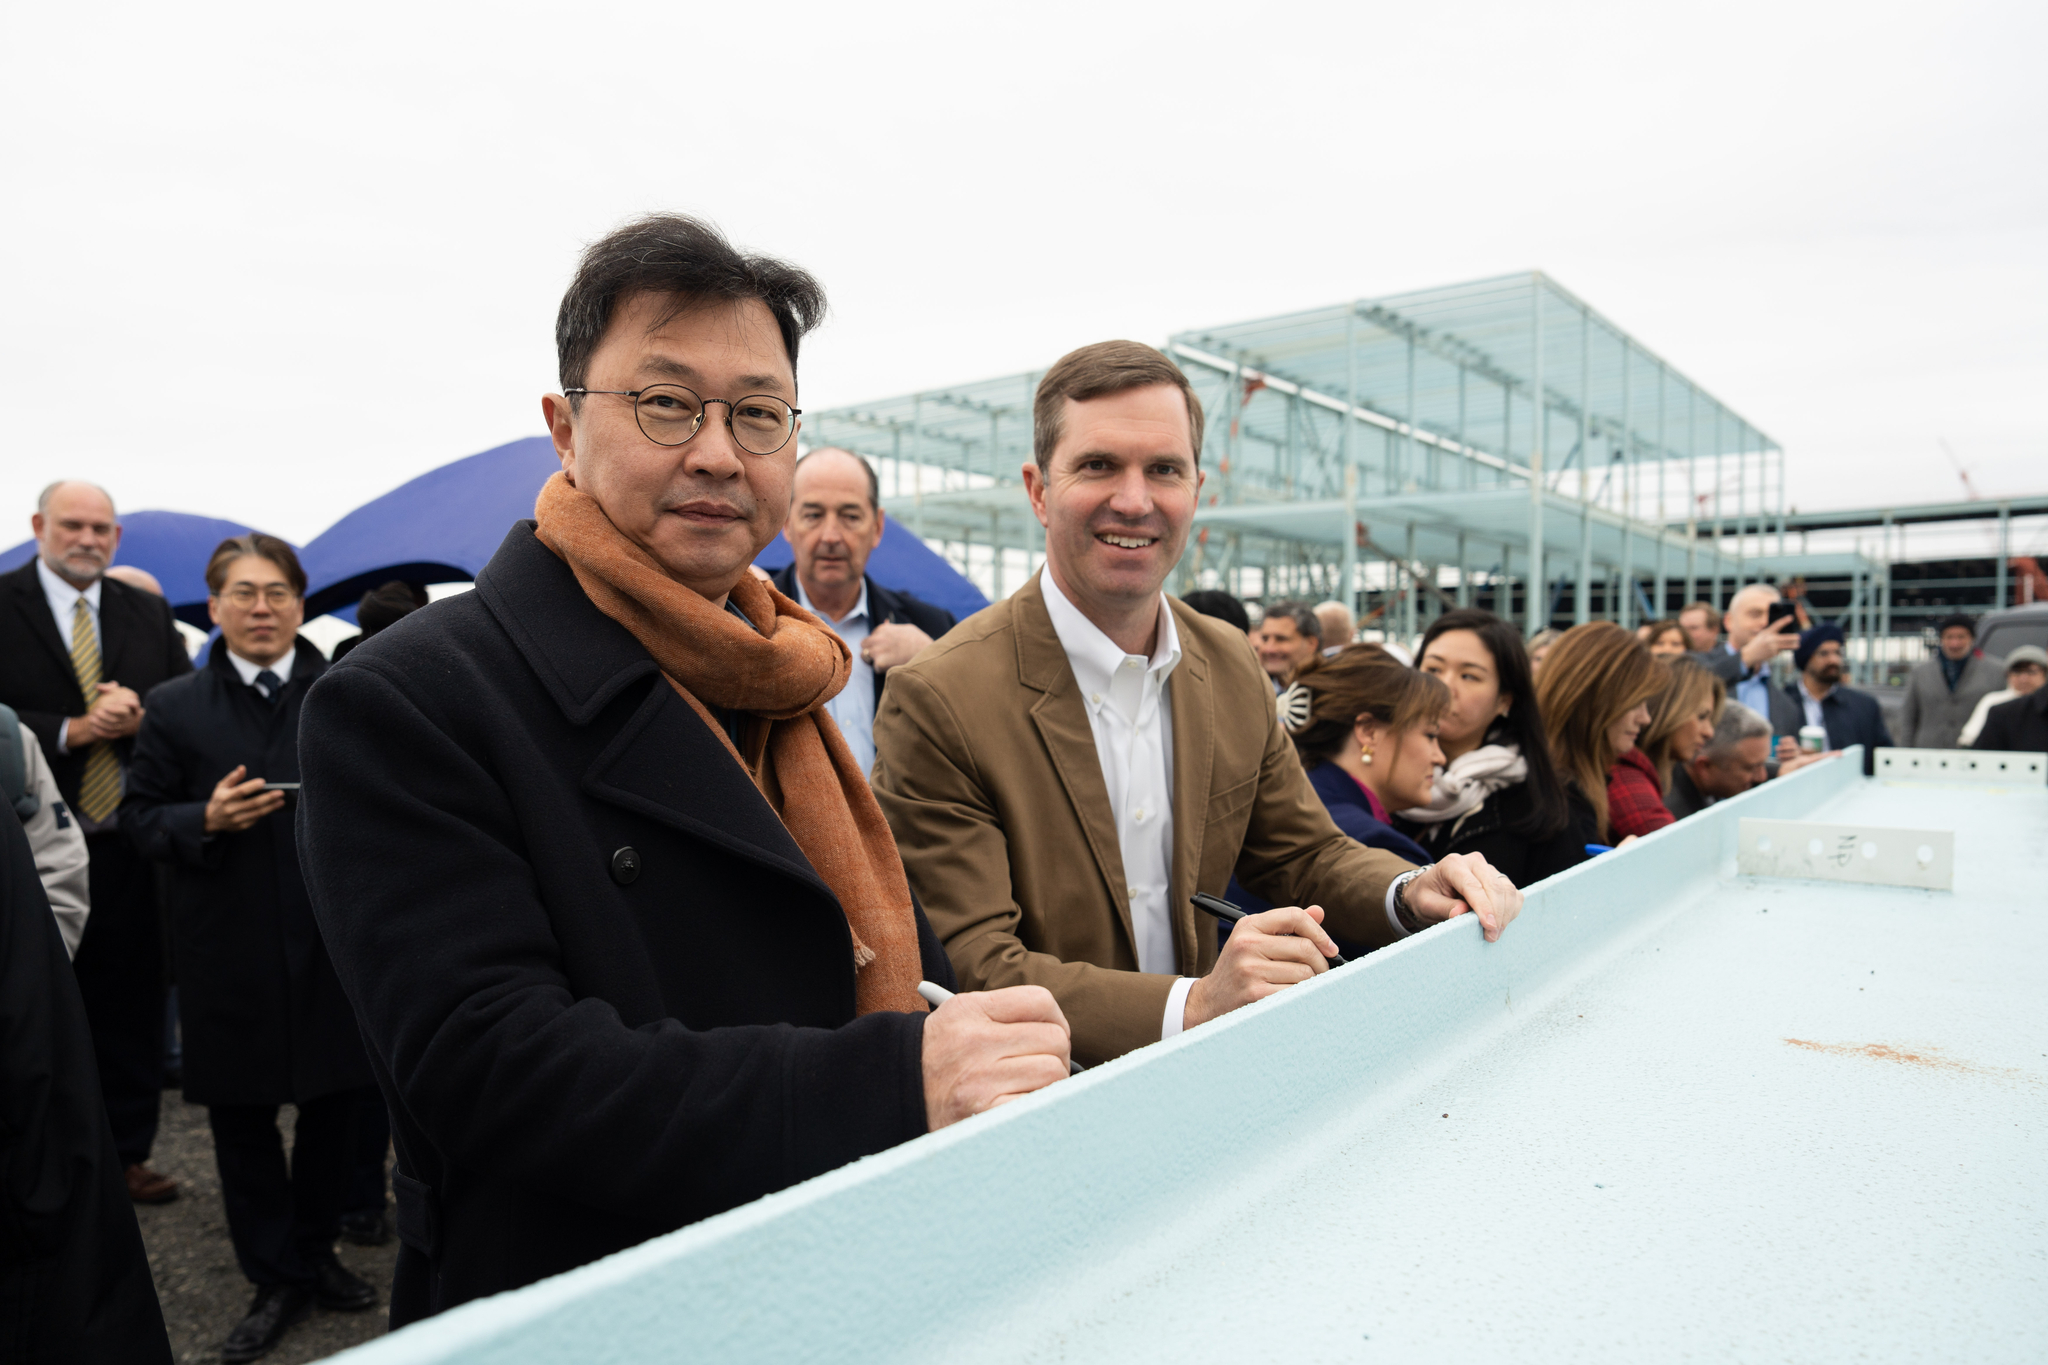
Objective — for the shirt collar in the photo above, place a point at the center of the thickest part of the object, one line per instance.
(61, 593)
(248, 671)
(1094, 656)
(860, 606)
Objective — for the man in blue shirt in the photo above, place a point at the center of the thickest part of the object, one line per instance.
(835, 523)
(1744, 662)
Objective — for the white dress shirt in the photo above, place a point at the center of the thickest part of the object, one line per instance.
(1131, 716)
(248, 671)
(63, 600)
(1814, 715)
(853, 710)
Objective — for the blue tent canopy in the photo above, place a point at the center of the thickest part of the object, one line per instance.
(444, 526)
(174, 546)
(439, 528)
(905, 563)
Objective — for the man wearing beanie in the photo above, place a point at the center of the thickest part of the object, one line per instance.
(1819, 697)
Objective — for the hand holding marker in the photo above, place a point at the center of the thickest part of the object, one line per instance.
(1231, 914)
(936, 995)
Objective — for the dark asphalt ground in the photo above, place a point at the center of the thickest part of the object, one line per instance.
(202, 1292)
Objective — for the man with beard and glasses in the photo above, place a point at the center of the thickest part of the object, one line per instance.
(835, 523)
(631, 944)
(79, 650)
(1820, 697)
(1068, 766)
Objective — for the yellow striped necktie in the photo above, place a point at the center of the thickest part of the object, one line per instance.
(100, 793)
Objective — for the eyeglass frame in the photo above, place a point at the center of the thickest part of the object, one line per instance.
(229, 594)
(634, 394)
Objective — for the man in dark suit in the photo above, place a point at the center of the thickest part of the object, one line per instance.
(1818, 696)
(628, 939)
(78, 650)
(265, 1022)
(1754, 641)
(835, 523)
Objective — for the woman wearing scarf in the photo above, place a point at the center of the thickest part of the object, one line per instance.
(1498, 793)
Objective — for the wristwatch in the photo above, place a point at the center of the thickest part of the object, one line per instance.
(1401, 912)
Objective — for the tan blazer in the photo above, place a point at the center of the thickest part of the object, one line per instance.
(986, 768)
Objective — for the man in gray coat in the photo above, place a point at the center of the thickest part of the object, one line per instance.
(1941, 693)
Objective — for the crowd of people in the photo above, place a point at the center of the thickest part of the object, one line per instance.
(610, 895)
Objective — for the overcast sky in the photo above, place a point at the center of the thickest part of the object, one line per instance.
(267, 262)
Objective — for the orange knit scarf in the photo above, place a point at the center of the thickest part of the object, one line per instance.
(781, 676)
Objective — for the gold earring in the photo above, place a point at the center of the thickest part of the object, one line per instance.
(1365, 755)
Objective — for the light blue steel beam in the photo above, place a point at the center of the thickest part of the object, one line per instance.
(1675, 1113)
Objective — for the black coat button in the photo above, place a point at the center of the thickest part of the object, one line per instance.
(625, 866)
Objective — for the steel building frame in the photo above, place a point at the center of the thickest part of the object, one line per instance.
(1484, 443)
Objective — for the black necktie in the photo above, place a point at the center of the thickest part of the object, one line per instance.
(269, 684)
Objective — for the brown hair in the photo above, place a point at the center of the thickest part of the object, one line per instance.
(1593, 676)
(1713, 612)
(1095, 371)
(1363, 681)
(1673, 709)
(1659, 629)
(263, 547)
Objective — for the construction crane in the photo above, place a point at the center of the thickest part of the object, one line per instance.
(1961, 473)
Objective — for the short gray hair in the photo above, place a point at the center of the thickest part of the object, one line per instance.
(43, 498)
(1748, 588)
(1737, 724)
(1301, 613)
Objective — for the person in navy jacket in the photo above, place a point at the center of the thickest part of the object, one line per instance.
(1365, 726)
(1818, 696)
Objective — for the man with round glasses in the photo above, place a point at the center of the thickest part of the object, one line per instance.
(635, 945)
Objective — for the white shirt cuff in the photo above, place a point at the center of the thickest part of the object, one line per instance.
(1393, 888)
(1176, 1008)
(63, 735)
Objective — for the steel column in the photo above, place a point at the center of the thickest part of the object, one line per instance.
(1535, 599)
(1347, 543)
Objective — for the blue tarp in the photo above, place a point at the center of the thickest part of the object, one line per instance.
(439, 528)
(905, 563)
(172, 545)
(444, 526)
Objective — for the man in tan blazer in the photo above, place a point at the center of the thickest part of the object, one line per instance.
(1063, 770)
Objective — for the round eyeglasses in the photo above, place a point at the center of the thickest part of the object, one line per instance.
(670, 414)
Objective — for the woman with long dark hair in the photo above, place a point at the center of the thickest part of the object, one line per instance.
(1595, 690)
(1498, 793)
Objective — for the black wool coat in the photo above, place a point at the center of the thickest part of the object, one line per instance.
(2020, 724)
(264, 1017)
(74, 1280)
(604, 992)
(1522, 860)
(139, 648)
